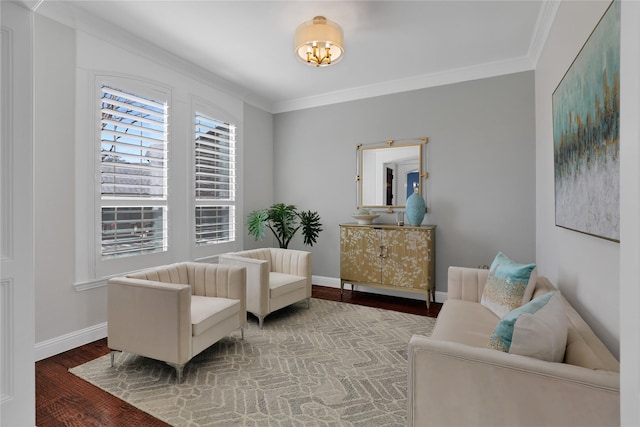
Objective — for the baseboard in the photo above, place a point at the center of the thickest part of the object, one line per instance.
(70, 341)
(333, 282)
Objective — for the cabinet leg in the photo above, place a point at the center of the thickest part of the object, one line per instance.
(431, 297)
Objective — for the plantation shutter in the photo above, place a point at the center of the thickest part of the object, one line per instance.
(215, 180)
(133, 169)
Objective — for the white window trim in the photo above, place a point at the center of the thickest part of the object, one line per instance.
(91, 269)
(114, 266)
(211, 251)
(151, 178)
(209, 197)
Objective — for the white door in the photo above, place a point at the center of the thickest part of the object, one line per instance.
(17, 325)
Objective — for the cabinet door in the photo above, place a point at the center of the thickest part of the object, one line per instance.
(406, 258)
(360, 254)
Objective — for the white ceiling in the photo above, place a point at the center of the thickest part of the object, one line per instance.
(390, 46)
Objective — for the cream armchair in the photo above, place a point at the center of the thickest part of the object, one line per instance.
(276, 278)
(172, 313)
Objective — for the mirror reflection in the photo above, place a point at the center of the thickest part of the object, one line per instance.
(389, 175)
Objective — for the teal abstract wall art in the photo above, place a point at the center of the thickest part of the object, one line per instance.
(586, 123)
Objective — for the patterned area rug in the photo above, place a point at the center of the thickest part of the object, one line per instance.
(334, 364)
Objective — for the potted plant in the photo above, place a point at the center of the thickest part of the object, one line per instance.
(284, 221)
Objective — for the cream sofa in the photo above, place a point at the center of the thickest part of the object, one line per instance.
(276, 278)
(454, 380)
(171, 313)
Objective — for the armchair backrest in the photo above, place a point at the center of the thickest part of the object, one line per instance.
(172, 273)
(214, 280)
(263, 254)
(291, 261)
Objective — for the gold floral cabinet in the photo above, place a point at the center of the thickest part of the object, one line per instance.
(388, 256)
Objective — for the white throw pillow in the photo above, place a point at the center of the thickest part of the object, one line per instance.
(537, 329)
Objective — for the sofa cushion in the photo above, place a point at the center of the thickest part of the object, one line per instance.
(537, 329)
(464, 322)
(282, 283)
(579, 353)
(210, 311)
(508, 286)
(584, 348)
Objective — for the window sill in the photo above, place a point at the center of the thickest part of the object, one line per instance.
(99, 283)
(90, 284)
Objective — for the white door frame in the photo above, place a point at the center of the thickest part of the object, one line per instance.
(17, 288)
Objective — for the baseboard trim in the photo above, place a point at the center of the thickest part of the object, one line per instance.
(70, 341)
(333, 282)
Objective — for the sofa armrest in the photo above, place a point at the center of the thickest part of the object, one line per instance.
(257, 280)
(149, 318)
(466, 283)
(455, 384)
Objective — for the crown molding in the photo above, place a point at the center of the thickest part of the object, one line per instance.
(72, 16)
(442, 78)
(32, 5)
(80, 20)
(546, 16)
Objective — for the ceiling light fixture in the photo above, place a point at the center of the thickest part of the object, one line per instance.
(319, 42)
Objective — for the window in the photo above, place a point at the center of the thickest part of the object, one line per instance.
(133, 169)
(215, 181)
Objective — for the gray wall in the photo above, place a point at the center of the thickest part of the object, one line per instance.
(257, 162)
(629, 214)
(59, 308)
(585, 269)
(480, 159)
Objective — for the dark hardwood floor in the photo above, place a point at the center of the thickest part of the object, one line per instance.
(62, 399)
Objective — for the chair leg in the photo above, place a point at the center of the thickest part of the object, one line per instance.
(242, 332)
(309, 302)
(113, 357)
(260, 321)
(179, 370)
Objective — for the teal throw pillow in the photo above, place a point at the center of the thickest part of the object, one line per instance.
(508, 286)
(537, 329)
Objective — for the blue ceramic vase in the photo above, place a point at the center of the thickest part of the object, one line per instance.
(415, 208)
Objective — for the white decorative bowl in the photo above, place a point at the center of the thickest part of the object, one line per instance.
(365, 219)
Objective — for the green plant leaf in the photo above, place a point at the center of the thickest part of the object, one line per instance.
(311, 226)
(257, 222)
(284, 221)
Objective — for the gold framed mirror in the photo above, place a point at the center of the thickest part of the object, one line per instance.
(388, 173)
